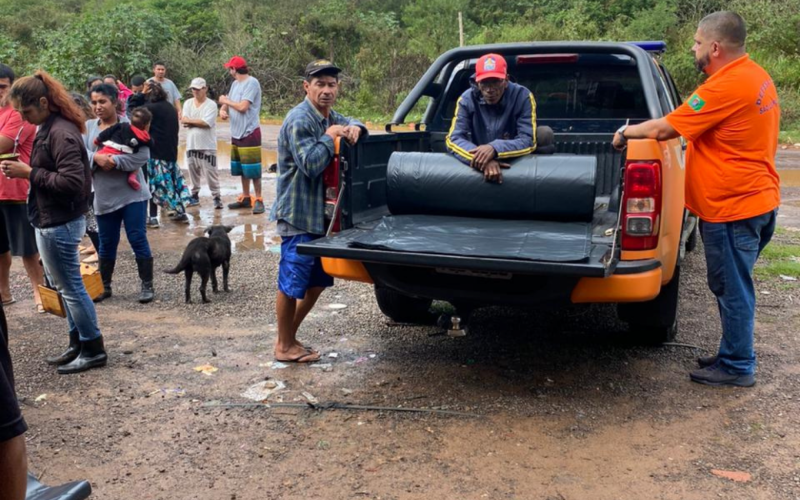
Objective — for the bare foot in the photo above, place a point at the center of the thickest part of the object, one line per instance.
(297, 353)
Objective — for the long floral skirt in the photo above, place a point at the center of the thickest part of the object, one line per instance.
(167, 185)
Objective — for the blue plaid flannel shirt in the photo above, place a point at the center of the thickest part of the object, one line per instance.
(304, 151)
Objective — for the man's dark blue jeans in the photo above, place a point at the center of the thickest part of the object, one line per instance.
(731, 252)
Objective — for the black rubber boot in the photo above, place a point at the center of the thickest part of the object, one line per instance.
(71, 353)
(146, 275)
(106, 273)
(93, 355)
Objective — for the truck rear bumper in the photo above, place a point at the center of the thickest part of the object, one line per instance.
(633, 281)
(632, 287)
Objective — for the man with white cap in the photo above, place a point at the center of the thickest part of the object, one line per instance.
(200, 118)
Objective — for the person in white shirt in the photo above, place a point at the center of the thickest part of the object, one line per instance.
(200, 118)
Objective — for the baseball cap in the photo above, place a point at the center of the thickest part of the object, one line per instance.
(321, 65)
(490, 66)
(236, 62)
(198, 83)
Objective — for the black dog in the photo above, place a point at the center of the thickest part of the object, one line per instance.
(203, 256)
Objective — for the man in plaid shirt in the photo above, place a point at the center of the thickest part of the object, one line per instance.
(305, 148)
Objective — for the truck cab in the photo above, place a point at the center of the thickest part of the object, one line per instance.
(639, 231)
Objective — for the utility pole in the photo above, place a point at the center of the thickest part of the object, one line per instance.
(460, 29)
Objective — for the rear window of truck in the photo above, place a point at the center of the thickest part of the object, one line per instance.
(570, 88)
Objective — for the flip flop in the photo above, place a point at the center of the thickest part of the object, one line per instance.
(302, 358)
(9, 301)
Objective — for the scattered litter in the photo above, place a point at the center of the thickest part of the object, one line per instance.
(788, 278)
(372, 356)
(275, 249)
(343, 339)
(275, 365)
(736, 476)
(336, 306)
(40, 397)
(326, 367)
(178, 392)
(206, 369)
(764, 292)
(333, 355)
(263, 390)
(347, 392)
(360, 360)
(310, 398)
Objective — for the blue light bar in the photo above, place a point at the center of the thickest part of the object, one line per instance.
(652, 46)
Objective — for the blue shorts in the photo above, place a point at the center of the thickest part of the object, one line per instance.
(297, 273)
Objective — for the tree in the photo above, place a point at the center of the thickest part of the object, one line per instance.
(121, 41)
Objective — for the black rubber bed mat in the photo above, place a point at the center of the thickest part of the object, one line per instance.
(502, 239)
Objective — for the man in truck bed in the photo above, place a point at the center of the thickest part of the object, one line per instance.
(731, 122)
(495, 122)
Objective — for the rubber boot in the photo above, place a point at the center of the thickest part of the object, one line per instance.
(146, 275)
(70, 354)
(106, 273)
(93, 355)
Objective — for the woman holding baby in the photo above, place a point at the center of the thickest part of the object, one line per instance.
(121, 192)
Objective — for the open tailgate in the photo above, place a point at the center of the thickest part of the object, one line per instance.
(479, 245)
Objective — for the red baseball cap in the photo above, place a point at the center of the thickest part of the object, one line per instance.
(491, 66)
(236, 62)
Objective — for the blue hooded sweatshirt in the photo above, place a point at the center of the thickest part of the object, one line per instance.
(508, 126)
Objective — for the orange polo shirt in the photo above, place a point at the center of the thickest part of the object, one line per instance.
(731, 122)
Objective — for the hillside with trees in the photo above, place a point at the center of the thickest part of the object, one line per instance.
(384, 45)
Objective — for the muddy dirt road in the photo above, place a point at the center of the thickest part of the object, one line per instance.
(560, 408)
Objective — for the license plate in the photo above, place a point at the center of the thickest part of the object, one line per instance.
(474, 274)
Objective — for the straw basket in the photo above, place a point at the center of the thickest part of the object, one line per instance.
(54, 303)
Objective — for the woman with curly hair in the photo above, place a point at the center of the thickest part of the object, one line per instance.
(166, 181)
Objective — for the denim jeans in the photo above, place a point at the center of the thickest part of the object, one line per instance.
(58, 247)
(731, 252)
(134, 215)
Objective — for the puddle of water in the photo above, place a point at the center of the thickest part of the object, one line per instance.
(790, 178)
(247, 237)
(268, 156)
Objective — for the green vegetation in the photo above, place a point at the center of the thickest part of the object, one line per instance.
(781, 257)
(383, 45)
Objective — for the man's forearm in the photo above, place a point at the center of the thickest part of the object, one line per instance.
(658, 129)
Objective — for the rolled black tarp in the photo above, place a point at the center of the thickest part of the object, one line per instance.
(559, 187)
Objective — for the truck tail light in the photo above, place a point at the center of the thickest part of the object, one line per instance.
(330, 182)
(641, 205)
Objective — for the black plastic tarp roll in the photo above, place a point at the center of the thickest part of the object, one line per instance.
(559, 187)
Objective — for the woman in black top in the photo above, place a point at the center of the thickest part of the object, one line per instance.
(165, 178)
(61, 184)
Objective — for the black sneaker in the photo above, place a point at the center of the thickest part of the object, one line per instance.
(718, 376)
(218, 203)
(242, 202)
(180, 218)
(707, 361)
(193, 201)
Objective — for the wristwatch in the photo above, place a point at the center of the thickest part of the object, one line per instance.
(621, 132)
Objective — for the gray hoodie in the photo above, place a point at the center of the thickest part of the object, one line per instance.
(111, 188)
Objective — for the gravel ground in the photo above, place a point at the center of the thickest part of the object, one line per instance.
(561, 406)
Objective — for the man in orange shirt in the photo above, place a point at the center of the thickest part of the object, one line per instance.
(731, 122)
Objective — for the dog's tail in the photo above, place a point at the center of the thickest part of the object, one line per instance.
(182, 265)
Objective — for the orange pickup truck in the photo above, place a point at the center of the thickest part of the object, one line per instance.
(584, 91)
